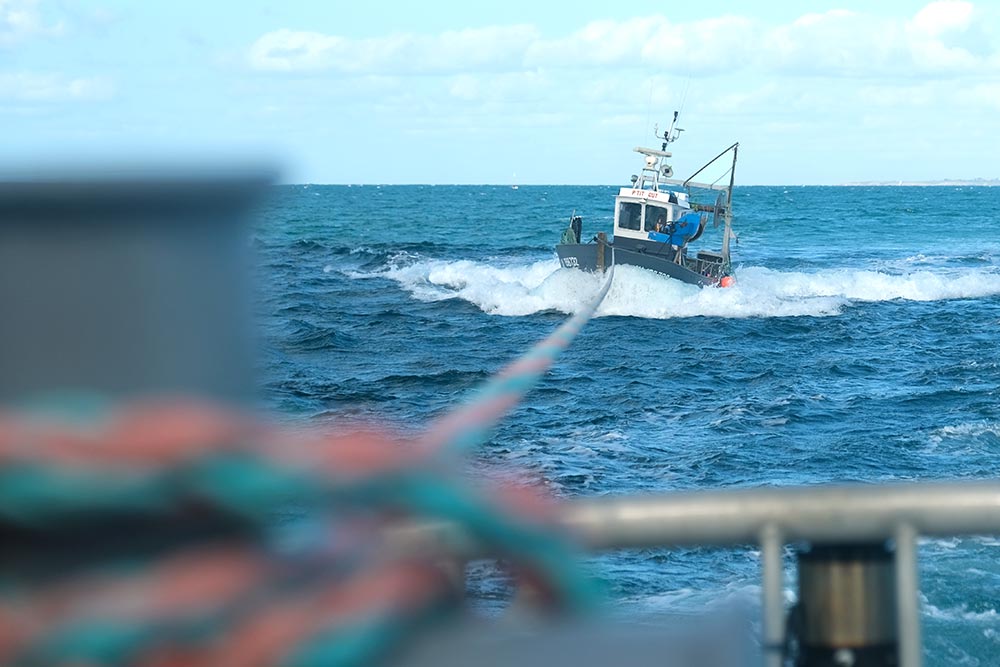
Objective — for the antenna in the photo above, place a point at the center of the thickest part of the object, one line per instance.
(654, 162)
(670, 135)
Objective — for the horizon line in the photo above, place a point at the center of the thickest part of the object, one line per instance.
(956, 182)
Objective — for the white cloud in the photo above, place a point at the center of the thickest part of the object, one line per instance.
(21, 19)
(834, 43)
(694, 48)
(982, 95)
(286, 50)
(915, 96)
(943, 16)
(36, 87)
(751, 101)
(496, 48)
(507, 87)
(597, 43)
(945, 38)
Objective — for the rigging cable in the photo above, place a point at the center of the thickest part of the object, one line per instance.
(687, 86)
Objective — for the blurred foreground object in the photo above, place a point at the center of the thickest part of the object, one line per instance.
(127, 283)
(147, 534)
(139, 510)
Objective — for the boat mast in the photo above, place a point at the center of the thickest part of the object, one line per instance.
(728, 232)
(655, 171)
(670, 135)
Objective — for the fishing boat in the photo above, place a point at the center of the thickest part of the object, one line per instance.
(658, 218)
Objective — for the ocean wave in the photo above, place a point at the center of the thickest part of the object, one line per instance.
(984, 257)
(309, 337)
(375, 259)
(861, 285)
(738, 593)
(502, 290)
(527, 288)
(959, 613)
(970, 430)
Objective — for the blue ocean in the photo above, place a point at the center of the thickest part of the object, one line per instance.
(859, 344)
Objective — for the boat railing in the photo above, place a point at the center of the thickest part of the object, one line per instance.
(856, 545)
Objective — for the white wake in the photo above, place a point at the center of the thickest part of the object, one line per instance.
(523, 289)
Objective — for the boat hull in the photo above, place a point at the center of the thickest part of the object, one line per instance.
(654, 257)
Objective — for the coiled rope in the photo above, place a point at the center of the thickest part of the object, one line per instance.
(148, 534)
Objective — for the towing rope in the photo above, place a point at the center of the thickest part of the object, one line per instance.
(466, 427)
(169, 533)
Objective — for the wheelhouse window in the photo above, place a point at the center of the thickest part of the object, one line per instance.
(629, 215)
(655, 216)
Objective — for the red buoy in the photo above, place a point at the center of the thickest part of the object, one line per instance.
(727, 281)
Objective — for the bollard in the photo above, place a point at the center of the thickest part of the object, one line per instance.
(846, 615)
(127, 285)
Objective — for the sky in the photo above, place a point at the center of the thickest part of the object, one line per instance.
(519, 91)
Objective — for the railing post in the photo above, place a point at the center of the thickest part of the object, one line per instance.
(772, 585)
(908, 597)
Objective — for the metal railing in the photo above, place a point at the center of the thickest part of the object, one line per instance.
(831, 516)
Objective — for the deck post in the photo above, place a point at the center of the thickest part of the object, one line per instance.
(772, 585)
(908, 597)
(847, 606)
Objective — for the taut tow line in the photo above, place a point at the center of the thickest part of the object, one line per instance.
(467, 426)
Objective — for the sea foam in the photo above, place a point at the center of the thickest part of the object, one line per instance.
(523, 289)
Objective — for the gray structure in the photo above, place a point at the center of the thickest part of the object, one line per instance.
(859, 600)
(124, 283)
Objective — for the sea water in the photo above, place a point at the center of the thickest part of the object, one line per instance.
(859, 344)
